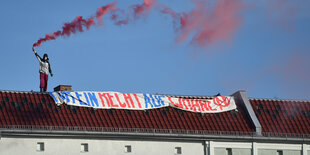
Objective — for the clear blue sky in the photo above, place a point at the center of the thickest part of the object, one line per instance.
(265, 58)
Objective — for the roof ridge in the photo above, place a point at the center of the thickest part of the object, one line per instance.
(180, 96)
(19, 91)
(290, 100)
(186, 96)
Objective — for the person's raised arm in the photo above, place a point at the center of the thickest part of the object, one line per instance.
(34, 50)
(35, 53)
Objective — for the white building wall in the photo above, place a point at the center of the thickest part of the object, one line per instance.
(272, 148)
(28, 146)
(241, 151)
(274, 152)
(267, 152)
(237, 148)
(305, 149)
(291, 152)
(220, 151)
(247, 148)
(234, 151)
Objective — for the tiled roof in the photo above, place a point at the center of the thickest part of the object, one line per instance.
(282, 116)
(39, 109)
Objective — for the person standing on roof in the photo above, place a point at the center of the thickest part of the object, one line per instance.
(45, 69)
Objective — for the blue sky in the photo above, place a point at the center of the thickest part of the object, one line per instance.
(264, 58)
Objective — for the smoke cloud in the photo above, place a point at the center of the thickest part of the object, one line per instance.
(202, 26)
(209, 26)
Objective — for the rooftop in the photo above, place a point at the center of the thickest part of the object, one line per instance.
(37, 111)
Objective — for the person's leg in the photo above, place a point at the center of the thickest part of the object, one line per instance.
(41, 82)
(45, 81)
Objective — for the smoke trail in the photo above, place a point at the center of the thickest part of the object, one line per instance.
(120, 17)
(201, 26)
(208, 26)
(76, 25)
(103, 10)
(143, 9)
(79, 24)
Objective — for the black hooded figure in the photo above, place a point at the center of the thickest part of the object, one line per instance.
(45, 69)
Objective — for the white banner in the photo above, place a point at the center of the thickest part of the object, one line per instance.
(116, 100)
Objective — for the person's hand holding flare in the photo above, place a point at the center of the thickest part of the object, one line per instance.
(34, 50)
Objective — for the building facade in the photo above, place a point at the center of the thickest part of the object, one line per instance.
(31, 123)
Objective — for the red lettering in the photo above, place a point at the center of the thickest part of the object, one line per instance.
(103, 95)
(110, 100)
(128, 97)
(183, 101)
(200, 105)
(195, 103)
(192, 105)
(123, 105)
(203, 105)
(135, 95)
(209, 102)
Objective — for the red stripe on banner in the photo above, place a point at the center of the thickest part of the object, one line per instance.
(128, 97)
(103, 95)
(137, 100)
(123, 105)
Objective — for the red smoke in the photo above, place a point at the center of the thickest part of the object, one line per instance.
(144, 8)
(203, 25)
(208, 26)
(76, 25)
(103, 10)
(79, 24)
(117, 15)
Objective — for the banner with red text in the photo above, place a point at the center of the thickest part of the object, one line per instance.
(116, 100)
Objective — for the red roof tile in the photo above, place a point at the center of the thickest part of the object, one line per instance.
(283, 116)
